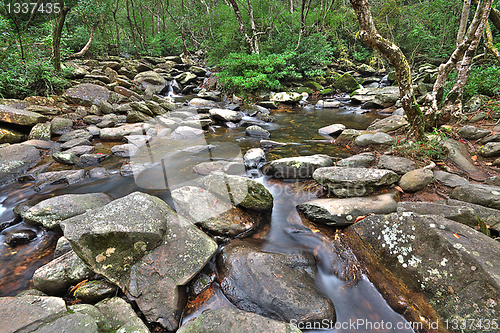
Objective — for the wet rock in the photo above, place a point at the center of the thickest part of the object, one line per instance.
(186, 132)
(65, 158)
(28, 313)
(41, 131)
(202, 103)
(333, 130)
(242, 191)
(480, 194)
(91, 159)
(460, 214)
(118, 133)
(214, 214)
(156, 280)
(388, 124)
(344, 212)
(225, 115)
(349, 182)
(327, 104)
(362, 160)
(399, 165)
(275, 285)
(257, 132)
(254, 157)
(80, 150)
(416, 180)
(301, 167)
(186, 78)
(489, 216)
(286, 97)
(469, 132)
(349, 134)
(20, 117)
(67, 177)
(8, 135)
(374, 139)
(63, 246)
(150, 78)
(131, 169)
(269, 144)
(346, 83)
(367, 95)
(15, 160)
(87, 94)
(229, 320)
(206, 168)
(138, 140)
(459, 276)
(125, 150)
(449, 179)
(76, 134)
(18, 236)
(95, 291)
(98, 173)
(491, 149)
(50, 212)
(55, 277)
(42, 144)
(75, 142)
(120, 316)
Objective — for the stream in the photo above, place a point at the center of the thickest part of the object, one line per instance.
(360, 307)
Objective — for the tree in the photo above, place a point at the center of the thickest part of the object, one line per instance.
(398, 60)
(56, 36)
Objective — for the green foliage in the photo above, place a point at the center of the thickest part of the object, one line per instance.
(250, 72)
(165, 44)
(423, 151)
(483, 80)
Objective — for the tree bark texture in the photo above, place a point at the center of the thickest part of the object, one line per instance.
(393, 53)
(56, 37)
(489, 42)
(463, 21)
(237, 13)
(84, 50)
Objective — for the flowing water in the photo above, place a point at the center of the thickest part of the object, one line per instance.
(359, 306)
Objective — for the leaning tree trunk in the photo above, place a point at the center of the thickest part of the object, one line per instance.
(393, 53)
(462, 56)
(242, 25)
(56, 37)
(84, 50)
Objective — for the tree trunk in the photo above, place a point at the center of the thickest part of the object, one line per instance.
(434, 115)
(494, 15)
(242, 25)
(463, 21)
(84, 50)
(131, 29)
(56, 37)
(489, 42)
(117, 26)
(255, 35)
(392, 52)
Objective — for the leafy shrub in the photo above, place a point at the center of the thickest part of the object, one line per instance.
(251, 72)
(482, 80)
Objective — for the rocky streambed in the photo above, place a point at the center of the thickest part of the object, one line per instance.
(127, 210)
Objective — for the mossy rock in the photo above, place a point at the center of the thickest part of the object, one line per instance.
(326, 91)
(346, 83)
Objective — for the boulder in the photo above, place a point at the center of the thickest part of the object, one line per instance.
(480, 194)
(286, 97)
(276, 285)
(254, 157)
(225, 115)
(186, 132)
(374, 139)
(65, 157)
(388, 124)
(491, 149)
(76, 134)
(328, 104)
(346, 83)
(416, 180)
(86, 160)
(15, 160)
(8, 135)
(301, 167)
(50, 212)
(95, 291)
(433, 263)
(362, 160)
(55, 277)
(118, 133)
(150, 78)
(66, 177)
(80, 150)
(230, 320)
(241, 191)
(366, 95)
(469, 132)
(257, 132)
(20, 117)
(125, 150)
(205, 168)
(120, 316)
(202, 103)
(87, 94)
(461, 214)
(344, 212)
(41, 131)
(489, 216)
(349, 182)
(449, 179)
(399, 165)
(333, 130)
(75, 142)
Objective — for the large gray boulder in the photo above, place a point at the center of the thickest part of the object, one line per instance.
(52, 211)
(362, 160)
(462, 214)
(491, 149)
(118, 133)
(150, 78)
(489, 216)
(53, 178)
(20, 117)
(225, 115)
(399, 165)
(15, 160)
(350, 182)
(87, 94)
(416, 180)
(453, 270)
(230, 320)
(301, 167)
(480, 194)
(275, 285)
(388, 124)
(286, 97)
(344, 212)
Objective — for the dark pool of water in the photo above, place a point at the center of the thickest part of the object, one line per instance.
(360, 302)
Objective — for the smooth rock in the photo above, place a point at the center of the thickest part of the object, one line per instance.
(489, 216)
(333, 130)
(86, 160)
(87, 94)
(362, 160)
(254, 157)
(257, 132)
(95, 291)
(469, 132)
(75, 142)
(76, 134)
(41, 131)
(379, 138)
(449, 179)
(480, 194)
(52, 178)
(399, 165)
(388, 124)
(15, 160)
(460, 214)
(286, 97)
(20, 117)
(225, 115)
(206, 168)
(416, 180)
(301, 167)
(125, 150)
(65, 158)
(491, 149)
